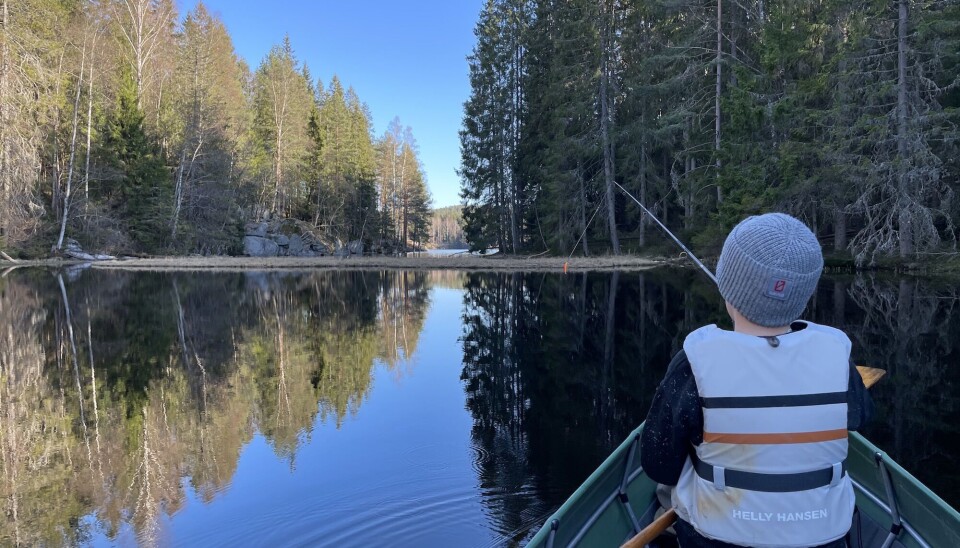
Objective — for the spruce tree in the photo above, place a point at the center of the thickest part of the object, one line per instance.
(143, 188)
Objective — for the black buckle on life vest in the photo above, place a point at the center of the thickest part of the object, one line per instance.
(769, 483)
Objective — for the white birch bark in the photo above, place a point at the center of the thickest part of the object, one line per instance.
(73, 152)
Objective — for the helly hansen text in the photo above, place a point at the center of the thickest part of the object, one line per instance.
(809, 515)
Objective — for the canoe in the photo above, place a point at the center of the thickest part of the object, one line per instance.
(618, 500)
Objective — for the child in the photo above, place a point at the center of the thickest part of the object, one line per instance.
(751, 425)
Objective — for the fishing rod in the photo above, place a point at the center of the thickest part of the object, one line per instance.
(671, 234)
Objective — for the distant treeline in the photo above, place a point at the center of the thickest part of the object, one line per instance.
(843, 113)
(131, 129)
(445, 228)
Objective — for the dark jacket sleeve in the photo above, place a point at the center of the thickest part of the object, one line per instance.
(674, 422)
(859, 402)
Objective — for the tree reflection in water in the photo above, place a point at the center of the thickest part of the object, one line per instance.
(114, 387)
(559, 369)
(122, 395)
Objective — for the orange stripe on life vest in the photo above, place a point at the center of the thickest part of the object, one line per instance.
(770, 439)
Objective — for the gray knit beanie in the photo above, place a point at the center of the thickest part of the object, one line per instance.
(769, 268)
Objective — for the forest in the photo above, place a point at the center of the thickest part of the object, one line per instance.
(132, 129)
(842, 113)
(446, 231)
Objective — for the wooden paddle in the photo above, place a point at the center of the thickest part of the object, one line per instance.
(870, 376)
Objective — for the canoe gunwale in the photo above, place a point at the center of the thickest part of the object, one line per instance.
(577, 521)
(606, 504)
(886, 508)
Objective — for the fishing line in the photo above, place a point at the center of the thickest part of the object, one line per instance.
(595, 211)
(667, 230)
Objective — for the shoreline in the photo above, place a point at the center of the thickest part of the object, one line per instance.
(495, 263)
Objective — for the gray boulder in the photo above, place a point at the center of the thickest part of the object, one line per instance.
(79, 255)
(255, 246)
(256, 229)
(295, 247)
(72, 250)
(355, 247)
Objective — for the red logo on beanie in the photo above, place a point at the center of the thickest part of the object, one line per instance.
(777, 288)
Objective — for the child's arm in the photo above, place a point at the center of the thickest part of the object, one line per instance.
(674, 422)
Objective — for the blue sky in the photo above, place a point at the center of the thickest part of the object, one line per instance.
(404, 58)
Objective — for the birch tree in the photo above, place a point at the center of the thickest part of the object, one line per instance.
(210, 107)
(31, 42)
(282, 102)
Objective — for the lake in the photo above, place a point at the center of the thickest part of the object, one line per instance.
(401, 408)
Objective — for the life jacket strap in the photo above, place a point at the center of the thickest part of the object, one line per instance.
(769, 483)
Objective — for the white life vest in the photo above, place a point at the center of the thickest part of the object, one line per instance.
(771, 468)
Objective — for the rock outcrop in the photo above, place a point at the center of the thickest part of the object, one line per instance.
(72, 250)
(291, 238)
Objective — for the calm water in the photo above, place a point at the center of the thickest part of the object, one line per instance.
(367, 408)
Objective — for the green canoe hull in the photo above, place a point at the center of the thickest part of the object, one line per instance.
(618, 497)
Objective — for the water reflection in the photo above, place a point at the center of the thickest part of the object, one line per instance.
(127, 397)
(909, 327)
(558, 370)
(115, 388)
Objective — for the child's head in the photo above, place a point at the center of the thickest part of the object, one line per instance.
(769, 268)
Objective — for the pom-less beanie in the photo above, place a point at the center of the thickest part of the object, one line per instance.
(769, 268)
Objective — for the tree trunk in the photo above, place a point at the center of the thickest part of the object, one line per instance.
(665, 216)
(178, 193)
(608, 166)
(583, 210)
(73, 153)
(716, 131)
(402, 243)
(55, 191)
(839, 230)
(689, 164)
(86, 169)
(734, 24)
(905, 199)
(4, 122)
(511, 148)
(642, 233)
(514, 236)
(278, 169)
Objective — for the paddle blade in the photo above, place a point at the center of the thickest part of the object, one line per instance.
(870, 375)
